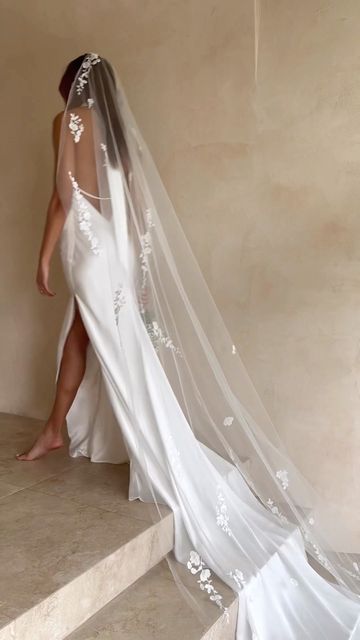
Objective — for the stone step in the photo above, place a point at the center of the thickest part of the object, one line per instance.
(154, 609)
(70, 539)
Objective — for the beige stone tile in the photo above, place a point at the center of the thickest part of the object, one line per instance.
(100, 485)
(7, 489)
(67, 608)
(153, 609)
(16, 434)
(4, 620)
(48, 541)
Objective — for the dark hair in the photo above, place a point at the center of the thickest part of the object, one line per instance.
(69, 75)
(107, 105)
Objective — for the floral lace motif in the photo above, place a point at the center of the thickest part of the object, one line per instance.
(238, 577)
(354, 574)
(158, 337)
(233, 350)
(119, 301)
(276, 511)
(228, 421)
(283, 476)
(197, 566)
(146, 246)
(222, 516)
(76, 126)
(106, 157)
(90, 60)
(319, 555)
(84, 217)
(148, 218)
(90, 102)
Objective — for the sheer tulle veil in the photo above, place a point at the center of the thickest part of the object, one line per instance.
(103, 158)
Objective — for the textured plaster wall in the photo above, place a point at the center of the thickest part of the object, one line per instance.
(264, 176)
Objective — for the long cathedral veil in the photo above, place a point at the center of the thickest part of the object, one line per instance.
(151, 268)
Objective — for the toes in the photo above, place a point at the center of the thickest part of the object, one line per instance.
(21, 456)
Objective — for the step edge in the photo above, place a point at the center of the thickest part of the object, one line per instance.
(21, 626)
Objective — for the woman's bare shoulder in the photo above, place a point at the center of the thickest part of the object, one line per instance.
(59, 116)
(57, 120)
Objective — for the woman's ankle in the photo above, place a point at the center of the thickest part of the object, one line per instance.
(53, 427)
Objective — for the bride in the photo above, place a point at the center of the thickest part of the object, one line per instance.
(147, 372)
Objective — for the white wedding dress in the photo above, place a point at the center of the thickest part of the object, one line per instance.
(216, 514)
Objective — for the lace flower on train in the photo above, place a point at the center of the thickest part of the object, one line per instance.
(84, 217)
(197, 566)
(238, 578)
(90, 60)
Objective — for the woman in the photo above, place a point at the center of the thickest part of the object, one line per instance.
(147, 371)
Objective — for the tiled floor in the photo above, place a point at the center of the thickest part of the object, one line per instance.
(70, 539)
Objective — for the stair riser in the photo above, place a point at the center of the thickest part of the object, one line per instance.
(222, 630)
(66, 609)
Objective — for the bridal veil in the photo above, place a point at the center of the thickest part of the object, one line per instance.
(243, 511)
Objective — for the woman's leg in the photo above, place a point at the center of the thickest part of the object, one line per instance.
(71, 372)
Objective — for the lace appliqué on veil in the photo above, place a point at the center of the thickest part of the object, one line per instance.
(318, 552)
(283, 476)
(119, 301)
(158, 338)
(106, 157)
(197, 566)
(145, 241)
(353, 574)
(89, 61)
(222, 516)
(76, 126)
(84, 217)
(276, 511)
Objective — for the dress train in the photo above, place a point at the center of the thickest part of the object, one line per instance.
(281, 597)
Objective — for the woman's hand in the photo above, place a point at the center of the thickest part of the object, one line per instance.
(42, 279)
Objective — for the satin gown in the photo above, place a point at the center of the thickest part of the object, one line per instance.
(281, 597)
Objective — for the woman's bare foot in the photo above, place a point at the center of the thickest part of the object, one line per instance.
(48, 440)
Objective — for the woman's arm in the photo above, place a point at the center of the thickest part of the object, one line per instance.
(55, 219)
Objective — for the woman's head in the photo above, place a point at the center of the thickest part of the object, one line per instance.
(71, 71)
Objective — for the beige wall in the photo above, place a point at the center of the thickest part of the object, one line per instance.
(265, 180)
